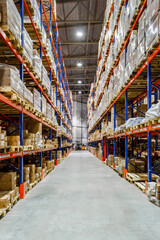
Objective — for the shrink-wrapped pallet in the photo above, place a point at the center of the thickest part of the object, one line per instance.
(46, 80)
(28, 95)
(27, 46)
(10, 18)
(49, 111)
(153, 33)
(35, 16)
(37, 63)
(44, 103)
(36, 99)
(9, 77)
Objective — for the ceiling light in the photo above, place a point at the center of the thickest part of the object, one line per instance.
(79, 64)
(79, 92)
(79, 33)
(79, 81)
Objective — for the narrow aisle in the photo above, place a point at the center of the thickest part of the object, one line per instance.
(82, 200)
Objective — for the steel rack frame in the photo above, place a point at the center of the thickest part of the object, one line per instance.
(63, 83)
(152, 88)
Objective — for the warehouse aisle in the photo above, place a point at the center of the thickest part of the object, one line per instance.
(82, 200)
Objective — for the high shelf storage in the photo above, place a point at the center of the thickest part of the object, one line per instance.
(123, 106)
(37, 109)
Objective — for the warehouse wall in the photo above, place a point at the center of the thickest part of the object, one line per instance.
(79, 122)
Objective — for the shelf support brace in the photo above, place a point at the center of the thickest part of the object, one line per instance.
(149, 92)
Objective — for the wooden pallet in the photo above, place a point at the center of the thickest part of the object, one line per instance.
(16, 148)
(27, 148)
(12, 95)
(12, 39)
(139, 177)
(3, 211)
(5, 149)
(141, 186)
(32, 185)
(15, 200)
(154, 121)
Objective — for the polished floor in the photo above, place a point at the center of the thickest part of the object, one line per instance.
(82, 199)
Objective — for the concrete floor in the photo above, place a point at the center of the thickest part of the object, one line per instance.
(82, 199)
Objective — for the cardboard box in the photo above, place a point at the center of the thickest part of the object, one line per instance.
(13, 140)
(7, 181)
(16, 191)
(4, 200)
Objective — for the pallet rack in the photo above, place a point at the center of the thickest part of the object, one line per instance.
(128, 99)
(49, 22)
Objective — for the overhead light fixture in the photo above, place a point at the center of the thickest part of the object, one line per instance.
(79, 81)
(79, 92)
(79, 64)
(79, 33)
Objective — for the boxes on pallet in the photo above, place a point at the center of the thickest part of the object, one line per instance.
(37, 63)
(4, 200)
(38, 171)
(10, 18)
(121, 166)
(16, 191)
(9, 77)
(44, 104)
(32, 172)
(153, 33)
(49, 111)
(26, 172)
(27, 46)
(36, 99)
(153, 7)
(3, 138)
(7, 181)
(110, 159)
(46, 81)
(28, 95)
(13, 140)
(36, 14)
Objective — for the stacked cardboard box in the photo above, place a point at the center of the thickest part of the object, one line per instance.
(3, 138)
(10, 17)
(7, 181)
(9, 77)
(31, 172)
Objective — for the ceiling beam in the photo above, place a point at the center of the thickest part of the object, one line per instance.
(79, 78)
(79, 43)
(75, 22)
(81, 69)
(66, 1)
(73, 26)
(81, 57)
(79, 85)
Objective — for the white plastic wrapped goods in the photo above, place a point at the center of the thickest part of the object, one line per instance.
(153, 33)
(133, 121)
(45, 79)
(28, 46)
(11, 17)
(9, 77)
(153, 112)
(44, 36)
(37, 63)
(28, 95)
(49, 111)
(36, 17)
(36, 99)
(44, 104)
(153, 7)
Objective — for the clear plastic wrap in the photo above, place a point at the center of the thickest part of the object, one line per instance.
(27, 46)
(11, 17)
(37, 63)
